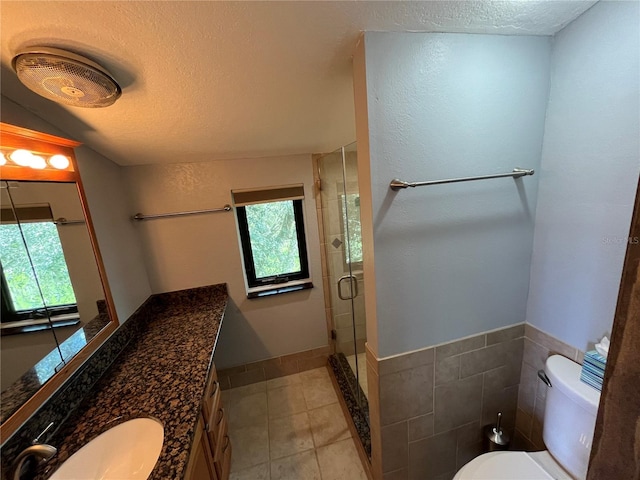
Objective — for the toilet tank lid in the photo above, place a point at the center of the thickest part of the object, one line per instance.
(564, 375)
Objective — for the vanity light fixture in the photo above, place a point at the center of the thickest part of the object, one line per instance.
(25, 158)
(21, 157)
(38, 162)
(59, 161)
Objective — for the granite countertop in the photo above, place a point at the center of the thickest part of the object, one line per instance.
(161, 374)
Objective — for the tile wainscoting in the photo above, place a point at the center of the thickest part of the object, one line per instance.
(428, 407)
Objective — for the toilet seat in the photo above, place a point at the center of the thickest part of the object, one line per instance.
(512, 466)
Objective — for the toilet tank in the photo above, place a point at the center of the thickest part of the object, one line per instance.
(570, 416)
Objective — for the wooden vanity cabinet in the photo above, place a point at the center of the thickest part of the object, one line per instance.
(213, 442)
(200, 466)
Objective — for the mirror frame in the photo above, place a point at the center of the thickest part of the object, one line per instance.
(13, 137)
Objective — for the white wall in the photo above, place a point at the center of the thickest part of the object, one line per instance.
(186, 252)
(589, 175)
(450, 260)
(109, 206)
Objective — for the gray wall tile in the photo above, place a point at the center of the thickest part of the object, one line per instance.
(406, 394)
(395, 447)
(505, 334)
(432, 456)
(420, 427)
(402, 474)
(460, 346)
(407, 361)
(457, 403)
(490, 357)
(534, 354)
(447, 369)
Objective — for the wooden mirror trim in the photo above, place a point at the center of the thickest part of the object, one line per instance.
(16, 137)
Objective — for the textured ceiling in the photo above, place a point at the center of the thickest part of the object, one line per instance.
(210, 80)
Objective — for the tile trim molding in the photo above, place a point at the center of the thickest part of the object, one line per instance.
(275, 367)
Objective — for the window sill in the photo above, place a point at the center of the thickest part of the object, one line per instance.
(27, 326)
(289, 287)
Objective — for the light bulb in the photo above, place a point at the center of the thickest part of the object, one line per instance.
(37, 162)
(59, 161)
(3, 159)
(21, 157)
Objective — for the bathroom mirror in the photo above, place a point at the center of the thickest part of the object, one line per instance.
(56, 303)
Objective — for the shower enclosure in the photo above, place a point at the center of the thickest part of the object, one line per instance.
(337, 178)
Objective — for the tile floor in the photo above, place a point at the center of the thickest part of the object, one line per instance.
(290, 428)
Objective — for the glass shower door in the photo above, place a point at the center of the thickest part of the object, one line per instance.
(343, 248)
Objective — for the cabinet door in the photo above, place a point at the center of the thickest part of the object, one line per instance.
(223, 466)
(221, 439)
(200, 466)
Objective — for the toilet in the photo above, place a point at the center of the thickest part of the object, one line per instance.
(569, 421)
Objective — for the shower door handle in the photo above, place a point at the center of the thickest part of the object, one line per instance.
(353, 281)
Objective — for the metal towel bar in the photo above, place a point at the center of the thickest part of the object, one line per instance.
(141, 216)
(397, 184)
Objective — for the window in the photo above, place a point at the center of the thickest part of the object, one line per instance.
(272, 237)
(33, 279)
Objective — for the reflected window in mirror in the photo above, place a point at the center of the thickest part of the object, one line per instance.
(35, 281)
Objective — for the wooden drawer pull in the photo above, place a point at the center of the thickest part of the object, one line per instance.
(220, 416)
(215, 388)
(227, 442)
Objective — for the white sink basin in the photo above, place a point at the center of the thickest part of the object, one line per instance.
(129, 450)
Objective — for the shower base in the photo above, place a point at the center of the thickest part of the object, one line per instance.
(351, 392)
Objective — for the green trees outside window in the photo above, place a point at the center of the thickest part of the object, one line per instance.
(274, 243)
(49, 264)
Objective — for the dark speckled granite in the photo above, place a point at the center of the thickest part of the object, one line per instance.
(162, 373)
(354, 398)
(24, 388)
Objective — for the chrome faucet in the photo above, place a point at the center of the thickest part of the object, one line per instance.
(39, 455)
(33, 457)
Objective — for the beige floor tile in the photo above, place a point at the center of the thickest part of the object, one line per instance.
(238, 392)
(250, 446)
(268, 446)
(328, 425)
(284, 381)
(310, 376)
(259, 472)
(318, 391)
(289, 435)
(286, 401)
(302, 466)
(340, 461)
(247, 410)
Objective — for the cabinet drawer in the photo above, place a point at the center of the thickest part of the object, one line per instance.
(211, 395)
